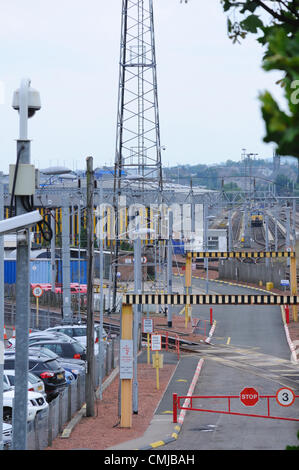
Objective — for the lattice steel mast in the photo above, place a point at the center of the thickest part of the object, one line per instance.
(138, 167)
(138, 147)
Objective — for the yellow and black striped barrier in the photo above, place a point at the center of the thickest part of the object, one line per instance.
(243, 254)
(209, 299)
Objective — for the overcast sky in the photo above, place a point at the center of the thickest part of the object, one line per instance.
(207, 86)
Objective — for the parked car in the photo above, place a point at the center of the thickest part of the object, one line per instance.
(35, 384)
(6, 435)
(36, 403)
(78, 332)
(69, 377)
(75, 366)
(11, 342)
(67, 349)
(47, 369)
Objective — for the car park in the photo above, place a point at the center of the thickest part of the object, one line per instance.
(46, 368)
(35, 384)
(67, 349)
(36, 403)
(79, 333)
(37, 334)
(75, 366)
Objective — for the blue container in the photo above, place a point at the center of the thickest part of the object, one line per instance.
(178, 247)
(40, 271)
(83, 271)
(74, 275)
(10, 271)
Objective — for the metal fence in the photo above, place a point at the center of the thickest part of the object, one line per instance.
(48, 424)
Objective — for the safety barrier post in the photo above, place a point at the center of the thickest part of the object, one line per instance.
(175, 407)
(157, 370)
(211, 316)
(287, 310)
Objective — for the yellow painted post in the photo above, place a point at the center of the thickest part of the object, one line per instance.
(157, 370)
(148, 349)
(37, 306)
(126, 384)
(293, 276)
(188, 283)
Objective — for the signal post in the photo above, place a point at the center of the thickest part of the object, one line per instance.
(126, 366)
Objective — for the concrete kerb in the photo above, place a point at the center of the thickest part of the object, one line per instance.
(66, 433)
(177, 428)
(290, 343)
(79, 415)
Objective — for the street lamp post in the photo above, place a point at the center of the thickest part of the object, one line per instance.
(26, 101)
(206, 244)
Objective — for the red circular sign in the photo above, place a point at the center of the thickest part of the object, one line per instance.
(249, 396)
(37, 291)
(285, 396)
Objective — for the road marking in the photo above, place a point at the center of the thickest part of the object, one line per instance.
(181, 380)
(259, 364)
(228, 340)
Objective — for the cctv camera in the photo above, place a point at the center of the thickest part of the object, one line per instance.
(34, 103)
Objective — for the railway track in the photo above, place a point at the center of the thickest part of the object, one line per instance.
(280, 233)
(260, 237)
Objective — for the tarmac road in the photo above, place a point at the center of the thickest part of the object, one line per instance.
(248, 348)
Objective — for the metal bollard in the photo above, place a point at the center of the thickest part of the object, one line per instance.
(175, 407)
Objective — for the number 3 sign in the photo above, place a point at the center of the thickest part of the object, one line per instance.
(285, 396)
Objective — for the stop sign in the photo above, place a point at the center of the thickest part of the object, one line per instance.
(249, 396)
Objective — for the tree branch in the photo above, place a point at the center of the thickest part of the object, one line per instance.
(278, 16)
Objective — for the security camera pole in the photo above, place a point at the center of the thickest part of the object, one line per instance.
(22, 275)
(89, 383)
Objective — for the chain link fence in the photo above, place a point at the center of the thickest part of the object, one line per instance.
(49, 423)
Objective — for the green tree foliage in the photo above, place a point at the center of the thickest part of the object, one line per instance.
(283, 185)
(276, 26)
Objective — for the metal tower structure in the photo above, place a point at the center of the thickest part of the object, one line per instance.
(138, 166)
(138, 149)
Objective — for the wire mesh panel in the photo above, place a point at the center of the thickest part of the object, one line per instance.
(49, 423)
(30, 436)
(54, 422)
(41, 429)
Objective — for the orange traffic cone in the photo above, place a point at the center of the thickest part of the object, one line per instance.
(13, 332)
(5, 335)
